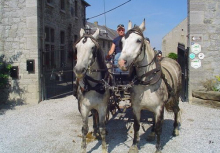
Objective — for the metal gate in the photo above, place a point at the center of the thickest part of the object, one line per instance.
(183, 61)
(57, 79)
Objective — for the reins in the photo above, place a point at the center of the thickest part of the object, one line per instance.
(153, 75)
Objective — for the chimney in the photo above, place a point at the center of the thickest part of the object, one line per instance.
(96, 23)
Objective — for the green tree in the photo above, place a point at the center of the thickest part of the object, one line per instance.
(4, 74)
(173, 56)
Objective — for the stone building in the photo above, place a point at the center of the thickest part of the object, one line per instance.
(36, 38)
(177, 35)
(203, 42)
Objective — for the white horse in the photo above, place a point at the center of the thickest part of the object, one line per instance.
(157, 83)
(90, 69)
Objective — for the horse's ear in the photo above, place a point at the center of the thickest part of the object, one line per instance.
(96, 34)
(142, 26)
(82, 31)
(129, 25)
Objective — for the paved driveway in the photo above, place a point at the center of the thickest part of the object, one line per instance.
(54, 126)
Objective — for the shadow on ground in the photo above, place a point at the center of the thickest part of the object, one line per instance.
(8, 104)
(120, 130)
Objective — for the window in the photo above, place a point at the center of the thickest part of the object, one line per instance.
(52, 35)
(72, 11)
(62, 56)
(62, 5)
(47, 33)
(62, 37)
(49, 1)
(76, 8)
(49, 55)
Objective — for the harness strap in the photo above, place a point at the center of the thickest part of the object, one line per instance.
(93, 80)
(169, 88)
(155, 74)
(98, 88)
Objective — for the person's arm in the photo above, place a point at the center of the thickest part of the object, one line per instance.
(111, 51)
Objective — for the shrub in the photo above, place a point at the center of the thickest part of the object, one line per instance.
(173, 56)
(212, 84)
(4, 74)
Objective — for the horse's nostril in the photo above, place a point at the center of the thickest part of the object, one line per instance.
(125, 61)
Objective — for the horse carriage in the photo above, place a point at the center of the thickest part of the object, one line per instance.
(118, 83)
(149, 83)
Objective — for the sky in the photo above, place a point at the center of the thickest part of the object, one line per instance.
(161, 16)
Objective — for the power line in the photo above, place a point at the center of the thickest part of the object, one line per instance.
(108, 10)
(105, 13)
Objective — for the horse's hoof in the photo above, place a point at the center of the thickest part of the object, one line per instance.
(175, 132)
(151, 136)
(133, 149)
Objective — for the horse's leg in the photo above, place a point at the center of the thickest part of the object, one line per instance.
(85, 128)
(151, 136)
(95, 123)
(102, 129)
(137, 117)
(158, 127)
(176, 111)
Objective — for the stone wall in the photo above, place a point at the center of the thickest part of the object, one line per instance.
(177, 35)
(204, 29)
(22, 27)
(18, 43)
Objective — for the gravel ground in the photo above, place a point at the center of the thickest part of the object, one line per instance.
(54, 126)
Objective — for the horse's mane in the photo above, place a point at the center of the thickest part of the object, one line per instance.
(101, 61)
(99, 54)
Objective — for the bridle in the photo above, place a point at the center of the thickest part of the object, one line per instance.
(95, 50)
(100, 83)
(138, 31)
(156, 73)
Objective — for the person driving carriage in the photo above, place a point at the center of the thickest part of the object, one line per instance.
(159, 54)
(115, 48)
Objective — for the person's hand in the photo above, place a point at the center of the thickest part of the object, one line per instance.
(108, 57)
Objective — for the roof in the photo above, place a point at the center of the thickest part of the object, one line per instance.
(105, 32)
(85, 3)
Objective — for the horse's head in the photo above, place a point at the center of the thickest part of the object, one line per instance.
(132, 43)
(86, 49)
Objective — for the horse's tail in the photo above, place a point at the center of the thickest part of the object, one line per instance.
(172, 105)
(173, 81)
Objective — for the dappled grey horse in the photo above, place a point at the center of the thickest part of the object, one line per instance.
(156, 83)
(90, 69)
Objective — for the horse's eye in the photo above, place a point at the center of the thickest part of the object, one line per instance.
(93, 48)
(139, 41)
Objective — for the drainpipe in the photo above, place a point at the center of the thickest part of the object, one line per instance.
(41, 54)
